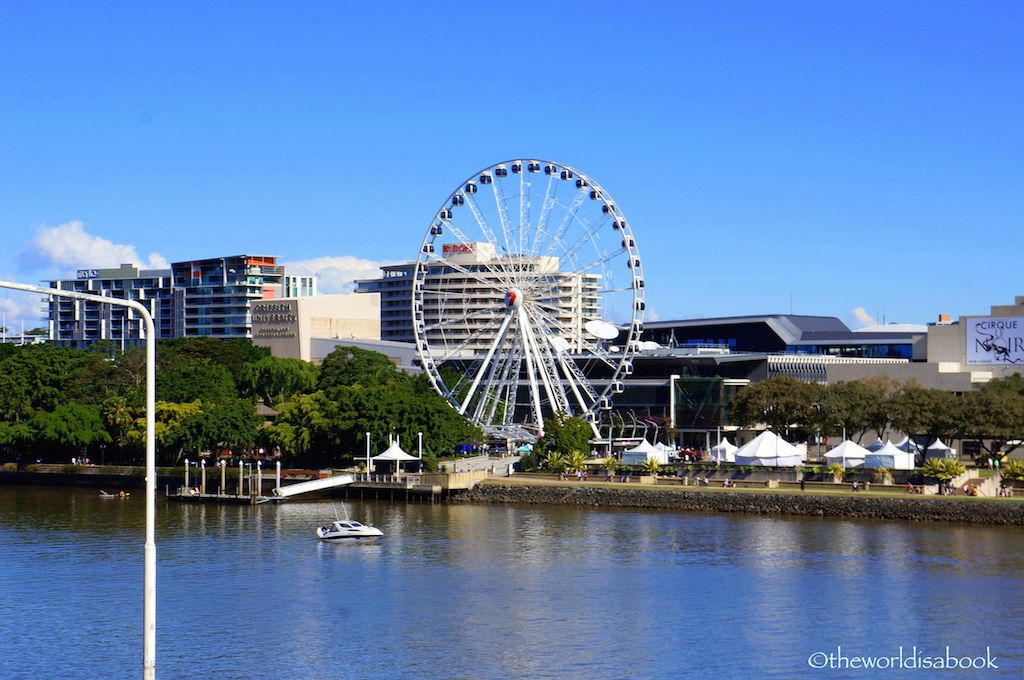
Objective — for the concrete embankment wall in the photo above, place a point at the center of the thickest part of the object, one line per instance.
(816, 505)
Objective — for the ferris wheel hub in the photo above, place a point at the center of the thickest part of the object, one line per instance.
(514, 298)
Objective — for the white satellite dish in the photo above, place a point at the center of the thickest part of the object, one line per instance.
(559, 343)
(601, 329)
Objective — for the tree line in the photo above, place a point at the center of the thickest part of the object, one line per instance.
(992, 415)
(57, 403)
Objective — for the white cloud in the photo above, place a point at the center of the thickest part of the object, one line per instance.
(863, 318)
(21, 310)
(70, 246)
(337, 274)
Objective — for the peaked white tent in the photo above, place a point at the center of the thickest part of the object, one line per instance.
(908, 444)
(770, 450)
(940, 450)
(890, 457)
(394, 453)
(848, 454)
(875, 445)
(639, 454)
(724, 451)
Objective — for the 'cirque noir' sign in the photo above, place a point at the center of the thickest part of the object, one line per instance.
(995, 340)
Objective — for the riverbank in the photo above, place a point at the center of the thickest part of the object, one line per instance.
(762, 502)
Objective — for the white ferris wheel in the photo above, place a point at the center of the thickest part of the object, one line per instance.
(528, 298)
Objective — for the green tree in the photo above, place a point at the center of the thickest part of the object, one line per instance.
(565, 434)
(1014, 471)
(837, 471)
(555, 461)
(651, 465)
(921, 412)
(195, 380)
(943, 470)
(576, 461)
(231, 353)
(70, 427)
(780, 402)
(346, 366)
(846, 405)
(274, 379)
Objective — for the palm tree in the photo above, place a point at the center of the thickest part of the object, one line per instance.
(837, 471)
(652, 465)
(609, 465)
(576, 460)
(556, 462)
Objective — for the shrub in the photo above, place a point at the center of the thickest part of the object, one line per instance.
(1014, 471)
(883, 475)
(837, 471)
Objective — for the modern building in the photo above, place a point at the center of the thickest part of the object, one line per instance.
(210, 297)
(458, 297)
(79, 323)
(789, 334)
(289, 326)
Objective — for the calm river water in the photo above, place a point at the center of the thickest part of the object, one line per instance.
(492, 592)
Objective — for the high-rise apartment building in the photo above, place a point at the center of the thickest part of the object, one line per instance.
(209, 297)
(79, 323)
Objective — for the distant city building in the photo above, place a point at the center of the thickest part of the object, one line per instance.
(288, 326)
(457, 310)
(208, 297)
(79, 323)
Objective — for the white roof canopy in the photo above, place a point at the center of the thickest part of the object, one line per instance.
(850, 454)
(769, 449)
(724, 451)
(644, 447)
(890, 457)
(394, 452)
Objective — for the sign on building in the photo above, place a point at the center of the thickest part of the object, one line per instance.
(995, 340)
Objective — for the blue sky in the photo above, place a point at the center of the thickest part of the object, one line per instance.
(819, 157)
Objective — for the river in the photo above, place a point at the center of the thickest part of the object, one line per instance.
(460, 591)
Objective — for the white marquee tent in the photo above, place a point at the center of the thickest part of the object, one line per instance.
(890, 457)
(724, 451)
(940, 450)
(395, 454)
(908, 444)
(875, 445)
(639, 454)
(848, 454)
(769, 450)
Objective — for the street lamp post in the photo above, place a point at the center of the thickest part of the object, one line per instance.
(149, 551)
(672, 404)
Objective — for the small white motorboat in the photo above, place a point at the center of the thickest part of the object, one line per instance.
(346, 530)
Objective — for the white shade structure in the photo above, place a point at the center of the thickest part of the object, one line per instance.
(394, 453)
(939, 450)
(724, 451)
(639, 454)
(890, 457)
(908, 444)
(769, 450)
(848, 454)
(875, 445)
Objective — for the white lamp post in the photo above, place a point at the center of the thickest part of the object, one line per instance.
(202, 486)
(149, 551)
(223, 475)
(186, 475)
(241, 472)
(368, 468)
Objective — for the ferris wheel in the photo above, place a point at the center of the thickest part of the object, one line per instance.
(528, 298)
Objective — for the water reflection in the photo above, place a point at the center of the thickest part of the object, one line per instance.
(476, 591)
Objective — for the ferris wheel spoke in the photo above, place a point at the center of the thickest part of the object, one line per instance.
(548, 354)
(495, 383)
(567, 220)
(576, 337)
(484, 364)
(504, 376)
(506, 222)
(572, 373)
(601, 260)
(586, 237)
(460, 347)
(445, 262)
(545, 212)
(487, 314)
(524, 211)
(480, 219)
(538, 354)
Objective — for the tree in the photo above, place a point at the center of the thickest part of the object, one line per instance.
(943, 470)
(837, 471)
(71, 427)
(347, 366)
(994, 415)
(651, 465)
(566, 434)
(1014, 471)
(847, 405)
(555, 460)
(275, 379)
(575, 461)
(231, 353)
(195, 380)
(779, 402)
(921, 412)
